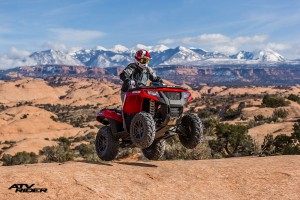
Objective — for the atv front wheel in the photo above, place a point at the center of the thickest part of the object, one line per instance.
(142, 130)
(191, 131)
(107, 146)
(155, 151)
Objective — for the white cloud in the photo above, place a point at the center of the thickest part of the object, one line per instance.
(204, 38)
(225, 49)
(247, 39)
(278, 46)
(14, 58)
(18, 54)
(212, 38)
(7, 62)
(75, 36)
(222, 43)
(167, 41)
(54, 45)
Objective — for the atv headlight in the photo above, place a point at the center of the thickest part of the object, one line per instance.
(186, 95)
(152, 93)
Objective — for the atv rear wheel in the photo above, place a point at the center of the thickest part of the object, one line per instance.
(155, 151)
(191, 131)
(107, 146)
(142, 130)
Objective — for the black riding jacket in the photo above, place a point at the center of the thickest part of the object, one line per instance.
(140, 76)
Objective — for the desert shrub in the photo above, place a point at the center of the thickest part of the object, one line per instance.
(232, 140)
(281, 142)
(280, 145)
(294, 97)
(206, 113)
(253, 123)
(231, 114)
(24, 116)
(274, 101)
(279, 113)
(174, 151)
(296, 133)
(127, 152)
(19, 158)
(268, 148)
(216, 148)
(88, 151)
(79, 139)
(53, 118)
(57, 154)
(85, 149)
(63, 141)
(88, 137)
(209, 118)
(258, 118)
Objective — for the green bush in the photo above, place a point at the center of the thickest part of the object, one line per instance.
(231, 114)
(19, 158)
(268, 147)
(85, 149)
(294, 97)
(174, 151)
(64, 141)
(127, 152)
(88, 137)
(206, 113)
(279, 113)
(282, 144)
(296, 133)
(57, 154)
(274, 101)
(232, 140)
(258, 118)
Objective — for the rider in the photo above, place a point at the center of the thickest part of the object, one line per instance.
(138, 73)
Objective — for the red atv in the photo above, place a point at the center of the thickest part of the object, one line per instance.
(150, 115)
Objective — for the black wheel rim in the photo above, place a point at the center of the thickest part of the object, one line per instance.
(138, 129)
(102, 143)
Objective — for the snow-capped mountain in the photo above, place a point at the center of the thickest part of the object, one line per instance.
(120, 55)
(261, 55)
(119, 49)
(53, 57)
(182, 55)
(157, 48)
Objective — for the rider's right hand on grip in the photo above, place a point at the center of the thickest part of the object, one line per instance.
(131, 82)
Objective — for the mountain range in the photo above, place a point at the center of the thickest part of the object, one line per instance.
(161, 55)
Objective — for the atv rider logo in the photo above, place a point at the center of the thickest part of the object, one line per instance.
(27, 188)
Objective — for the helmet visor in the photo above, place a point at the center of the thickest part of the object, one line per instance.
(144, 60)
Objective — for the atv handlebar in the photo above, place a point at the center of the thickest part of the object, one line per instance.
(153, 85)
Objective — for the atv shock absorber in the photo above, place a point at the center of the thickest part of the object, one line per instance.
(152, 108)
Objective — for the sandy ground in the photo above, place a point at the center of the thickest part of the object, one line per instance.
(235, 178)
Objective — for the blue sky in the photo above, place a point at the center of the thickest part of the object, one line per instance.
(215, 25)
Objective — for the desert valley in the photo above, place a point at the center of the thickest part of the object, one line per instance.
(41, 115)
